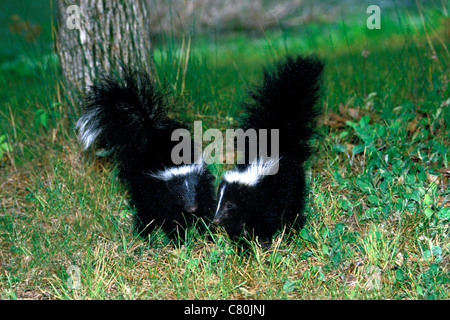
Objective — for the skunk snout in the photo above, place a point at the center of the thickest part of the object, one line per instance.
(191, 208)
(217, 219)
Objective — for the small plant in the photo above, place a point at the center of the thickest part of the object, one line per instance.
(43, 117)
(5, 147)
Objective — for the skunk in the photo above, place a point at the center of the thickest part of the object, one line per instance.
(252, 202)
(126, 115)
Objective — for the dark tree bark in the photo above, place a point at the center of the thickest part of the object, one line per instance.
(110, 32)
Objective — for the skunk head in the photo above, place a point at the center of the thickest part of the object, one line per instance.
(234, 207)
(184, 185)
(182, 191)
(237, 195)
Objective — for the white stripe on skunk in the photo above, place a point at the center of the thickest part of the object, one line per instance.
(173, 172)
(254, 172)
(220, 198)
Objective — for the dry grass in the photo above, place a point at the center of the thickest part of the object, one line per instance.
(75, 214)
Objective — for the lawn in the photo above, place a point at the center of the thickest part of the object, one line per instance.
(379, 204)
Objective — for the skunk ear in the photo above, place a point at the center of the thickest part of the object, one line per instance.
(200, 165)
(200, 162)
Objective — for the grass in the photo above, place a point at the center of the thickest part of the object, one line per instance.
(379, 203)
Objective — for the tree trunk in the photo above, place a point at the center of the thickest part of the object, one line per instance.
(106, 34)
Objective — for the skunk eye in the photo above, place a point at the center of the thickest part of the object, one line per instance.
(180, 197)
(230, 206)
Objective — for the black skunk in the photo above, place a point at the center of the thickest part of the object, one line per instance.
(128, 116)
(252, 203)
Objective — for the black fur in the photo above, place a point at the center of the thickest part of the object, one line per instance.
(127, 115)
(287, 100)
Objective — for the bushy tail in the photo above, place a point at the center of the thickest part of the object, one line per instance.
(287, 100)
(127, 115)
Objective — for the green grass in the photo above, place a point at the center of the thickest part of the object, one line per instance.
(379, 211)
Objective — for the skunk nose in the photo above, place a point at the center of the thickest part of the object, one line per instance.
(192, 209)
(216, 221)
